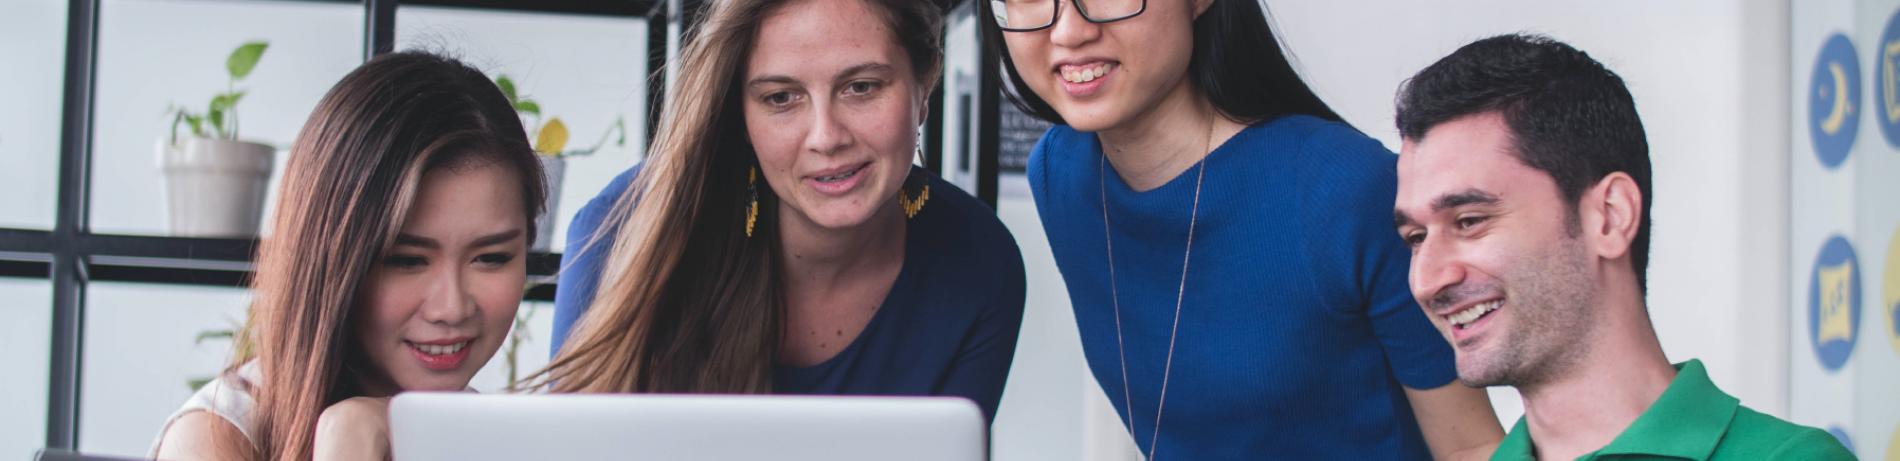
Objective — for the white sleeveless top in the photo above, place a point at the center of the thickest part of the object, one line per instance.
(225, 397)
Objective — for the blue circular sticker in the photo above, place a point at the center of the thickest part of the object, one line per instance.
(1834, 303)
(1887, 81)
(1841, 435)
(1834, 100)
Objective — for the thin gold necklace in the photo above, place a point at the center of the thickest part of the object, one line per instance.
(1180, 293)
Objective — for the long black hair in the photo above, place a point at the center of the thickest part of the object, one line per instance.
(1237, 62)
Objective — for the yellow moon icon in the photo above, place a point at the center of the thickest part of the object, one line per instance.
(1838, 117)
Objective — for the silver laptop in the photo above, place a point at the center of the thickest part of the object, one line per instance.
(466, 426)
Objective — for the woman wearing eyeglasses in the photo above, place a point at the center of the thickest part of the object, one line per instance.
(1226, 240)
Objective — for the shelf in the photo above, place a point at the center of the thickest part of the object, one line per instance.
(177, 260)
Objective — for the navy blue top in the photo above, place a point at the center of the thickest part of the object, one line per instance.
(948, 326)
(1297, 328)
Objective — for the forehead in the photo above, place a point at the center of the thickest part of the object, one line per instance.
(471, 195)
(821, 36)
(1469, 153)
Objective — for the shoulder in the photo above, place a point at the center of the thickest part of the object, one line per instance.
(1330, 149)
(1059, 148)
(214, 422)
(961, 230)
(200, 434)
(1783, 439)
(590, 215)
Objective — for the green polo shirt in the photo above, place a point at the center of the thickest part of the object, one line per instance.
(1695, 420)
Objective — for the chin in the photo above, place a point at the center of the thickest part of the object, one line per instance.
(1088, 117)
(457, 382)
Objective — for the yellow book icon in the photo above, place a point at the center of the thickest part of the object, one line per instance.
(1837, 285)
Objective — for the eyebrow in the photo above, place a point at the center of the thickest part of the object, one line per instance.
(486, 240)
(1449, 201)
(853, 70)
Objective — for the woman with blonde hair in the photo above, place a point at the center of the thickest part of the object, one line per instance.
(396, 262)
(778, 239)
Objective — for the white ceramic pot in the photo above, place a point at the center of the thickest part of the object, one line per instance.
(215, 187)
(552, 170)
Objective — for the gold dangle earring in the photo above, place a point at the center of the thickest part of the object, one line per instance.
(912, 206)
(752, 193)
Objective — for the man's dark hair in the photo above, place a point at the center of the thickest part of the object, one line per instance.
(1569, 116)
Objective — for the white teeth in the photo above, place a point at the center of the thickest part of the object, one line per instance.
(1085, 75)
(839, 176)
(1470, 314)
(440, 349)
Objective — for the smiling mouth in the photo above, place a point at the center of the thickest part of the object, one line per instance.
(440, 357)
(1469, 315)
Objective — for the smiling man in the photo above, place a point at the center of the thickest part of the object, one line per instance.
(1524, 193)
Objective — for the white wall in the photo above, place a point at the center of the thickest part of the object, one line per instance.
(154, 53)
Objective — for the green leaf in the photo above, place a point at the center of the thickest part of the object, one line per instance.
(244, 59)
(197, 124)
(220, 102)
(212, 334)
(507, 87)
(196, 383)
(528, 107)
(216, 117)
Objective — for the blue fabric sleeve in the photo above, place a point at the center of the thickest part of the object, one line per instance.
(1364, 183)
(983, 359)
(581, 264)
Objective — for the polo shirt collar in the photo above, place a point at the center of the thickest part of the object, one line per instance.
(1687, 421)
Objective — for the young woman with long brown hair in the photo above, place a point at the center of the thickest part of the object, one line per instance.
(778, 238)
(396, 262)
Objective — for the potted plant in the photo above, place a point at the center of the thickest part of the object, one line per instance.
(550, 141)
(215, 183)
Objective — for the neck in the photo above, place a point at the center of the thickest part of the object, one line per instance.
(1156, 146)
(1623, 372)
(820, 258)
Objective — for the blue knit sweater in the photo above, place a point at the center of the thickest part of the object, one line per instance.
(1297, 329)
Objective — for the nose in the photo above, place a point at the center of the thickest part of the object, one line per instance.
(448, 301)
(1071, 29)
(828, 133)
(1435, 268)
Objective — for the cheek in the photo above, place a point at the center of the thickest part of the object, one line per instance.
(387, 302)
(775, 143)
(499, 296)
(1026, 52)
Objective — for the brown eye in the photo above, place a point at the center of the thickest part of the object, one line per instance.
(778, 99)
(862, 87)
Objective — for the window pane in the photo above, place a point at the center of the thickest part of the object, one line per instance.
(25, 344)
(586, 70)
(141, 353)
(530, 349)
(154, 54)
(35, 53)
